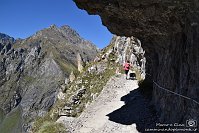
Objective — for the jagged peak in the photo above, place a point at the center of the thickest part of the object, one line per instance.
(65, 27)
(6, 38)
(65, 30)
(53, 26)
(64, 35)
(2, 35)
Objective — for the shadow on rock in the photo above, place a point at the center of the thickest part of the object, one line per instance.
(137, 110)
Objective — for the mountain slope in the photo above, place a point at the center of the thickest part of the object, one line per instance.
(88, 85)
(35, 69)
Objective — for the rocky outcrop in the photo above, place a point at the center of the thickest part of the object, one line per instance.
(72, 77)
(5, 43)
(34, 70)
(79, 63)
(169, 33)
(123, 48)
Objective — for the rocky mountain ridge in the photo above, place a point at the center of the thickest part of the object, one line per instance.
(35, 69)
(86, 87)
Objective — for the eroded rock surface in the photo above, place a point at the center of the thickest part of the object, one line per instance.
(169, 32)
(123, 48)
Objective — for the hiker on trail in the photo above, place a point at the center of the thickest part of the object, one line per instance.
(127, 66)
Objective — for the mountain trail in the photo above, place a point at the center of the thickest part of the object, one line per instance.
(110, 112)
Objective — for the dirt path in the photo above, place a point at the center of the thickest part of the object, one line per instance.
(108, 114)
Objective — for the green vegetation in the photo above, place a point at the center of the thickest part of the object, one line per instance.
(12, 122)
(112, 57)
(40, 121)
(93, 82)
(47, 124)
(28, 79)
(51, 127)
(107, 48)
(2, 115)
(66, 67)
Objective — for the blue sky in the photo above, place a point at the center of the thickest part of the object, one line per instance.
(22, 18)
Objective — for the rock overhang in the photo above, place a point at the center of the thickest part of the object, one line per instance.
(169, 32)
(142, 18)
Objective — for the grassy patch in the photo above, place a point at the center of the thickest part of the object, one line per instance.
(66, 67)
(2, 115)
(12, 122)
(51, 127)
(93, 83)
(41, 124)
(28, 79)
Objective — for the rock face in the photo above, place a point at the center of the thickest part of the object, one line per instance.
(34, 70)
(128, 48)
(169, 32)
(122, 49)
(72, 77)
(79, 63)
(5, 43)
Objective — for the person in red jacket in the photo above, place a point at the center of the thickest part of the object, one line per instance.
(127, 66)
